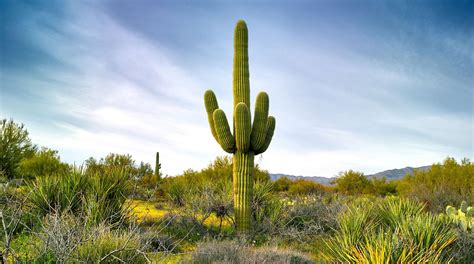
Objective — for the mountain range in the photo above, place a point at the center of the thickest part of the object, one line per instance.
(390, 175)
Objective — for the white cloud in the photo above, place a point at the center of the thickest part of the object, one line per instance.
(125, 93)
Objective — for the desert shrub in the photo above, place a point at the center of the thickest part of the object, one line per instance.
(442, 185)
(352, 183)
(238, 252)
(214, 199)
(60, 233)
(394, 230)
(356, 183)
(43, 162)
(282, 184)
(111, 246)
(176, 188)
(298, 219)
(15, 146)
(306, 187)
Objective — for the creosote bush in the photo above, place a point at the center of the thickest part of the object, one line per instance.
(447, 183)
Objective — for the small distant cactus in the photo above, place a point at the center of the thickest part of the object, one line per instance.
(157, 166)
(463, 217)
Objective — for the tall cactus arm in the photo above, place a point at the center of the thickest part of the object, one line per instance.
(241, 84)
(259, 129)
(242, 127)
(211, 104)
(268, 137)
(226, 140)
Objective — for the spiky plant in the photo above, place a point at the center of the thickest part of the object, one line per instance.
(463, 217)
(247, 140)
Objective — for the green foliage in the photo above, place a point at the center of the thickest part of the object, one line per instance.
(111, 161)
(282, 184)
(44, 162)
(15, 146)
(306, 187)
(218, 173)
(144, 169)
(442, 185)
(392, 231)
(352, 182)
(248, 140)
(355, 183)
(264, 202)
(98, 197)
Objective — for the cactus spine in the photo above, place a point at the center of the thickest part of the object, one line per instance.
(247, 140)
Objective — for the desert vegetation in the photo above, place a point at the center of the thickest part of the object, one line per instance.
(114, 210)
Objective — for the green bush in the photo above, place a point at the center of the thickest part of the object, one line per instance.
(306, 187)
(442, 185)
(352, 182)
(44, 162)
(393, 230)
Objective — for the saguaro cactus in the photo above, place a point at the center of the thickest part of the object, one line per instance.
(157, 166)
(247, 140)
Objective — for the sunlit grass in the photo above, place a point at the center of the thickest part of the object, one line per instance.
(146, 211)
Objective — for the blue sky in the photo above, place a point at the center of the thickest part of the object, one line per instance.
(364, 85)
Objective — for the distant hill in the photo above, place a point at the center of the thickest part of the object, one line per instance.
(320, 179)
(397, 173)
(391, 175)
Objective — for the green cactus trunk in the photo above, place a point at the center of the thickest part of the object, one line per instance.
(243, 189)
(247, 140)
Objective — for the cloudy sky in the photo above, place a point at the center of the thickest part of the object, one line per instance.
(364, 85)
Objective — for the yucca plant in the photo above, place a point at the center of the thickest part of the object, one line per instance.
(393, 210)
(58, 193)
(98, 197)
(392, 231)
